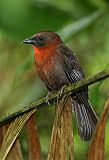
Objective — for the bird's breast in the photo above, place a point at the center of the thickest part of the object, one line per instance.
(51, 72)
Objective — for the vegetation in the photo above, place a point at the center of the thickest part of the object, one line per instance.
(84, 27)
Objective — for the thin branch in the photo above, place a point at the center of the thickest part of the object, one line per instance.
(68, 89)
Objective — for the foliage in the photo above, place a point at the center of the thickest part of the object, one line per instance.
(19, 83)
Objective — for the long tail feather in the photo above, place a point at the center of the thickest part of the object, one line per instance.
(86, 119)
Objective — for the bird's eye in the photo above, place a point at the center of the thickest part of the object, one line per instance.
(41, 38)
(40, 41)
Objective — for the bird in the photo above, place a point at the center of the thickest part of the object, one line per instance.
(57, 65)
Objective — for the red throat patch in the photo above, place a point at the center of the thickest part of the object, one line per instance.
(42, 55)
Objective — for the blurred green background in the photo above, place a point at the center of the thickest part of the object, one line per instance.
(84, 27)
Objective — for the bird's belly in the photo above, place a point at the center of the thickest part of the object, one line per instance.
(53, 76)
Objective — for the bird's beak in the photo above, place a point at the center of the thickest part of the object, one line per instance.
(29, 41)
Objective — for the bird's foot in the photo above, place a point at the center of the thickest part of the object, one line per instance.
(61, 96)
(48, 96)
(61, 92)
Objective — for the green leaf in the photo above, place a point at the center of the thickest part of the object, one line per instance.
(24, 18)
(75, 27)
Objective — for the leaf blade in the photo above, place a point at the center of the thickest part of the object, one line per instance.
(97, 149)
(12, 133)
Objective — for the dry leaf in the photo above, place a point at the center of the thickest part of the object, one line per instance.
(33, 139)
(61, 145)
(97, 148)
(12, 134)
(15, 152)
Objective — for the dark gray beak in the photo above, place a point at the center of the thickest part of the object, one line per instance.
(29, 41)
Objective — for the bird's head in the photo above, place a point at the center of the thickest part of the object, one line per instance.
(44, 44)
(44, 40)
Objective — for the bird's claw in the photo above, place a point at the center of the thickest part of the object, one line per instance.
(47, 98)
(61, 92)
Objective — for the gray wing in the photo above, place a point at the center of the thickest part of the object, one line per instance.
(86, 117)
(73, 70)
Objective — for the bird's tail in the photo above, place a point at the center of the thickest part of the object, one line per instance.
(86, 119)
